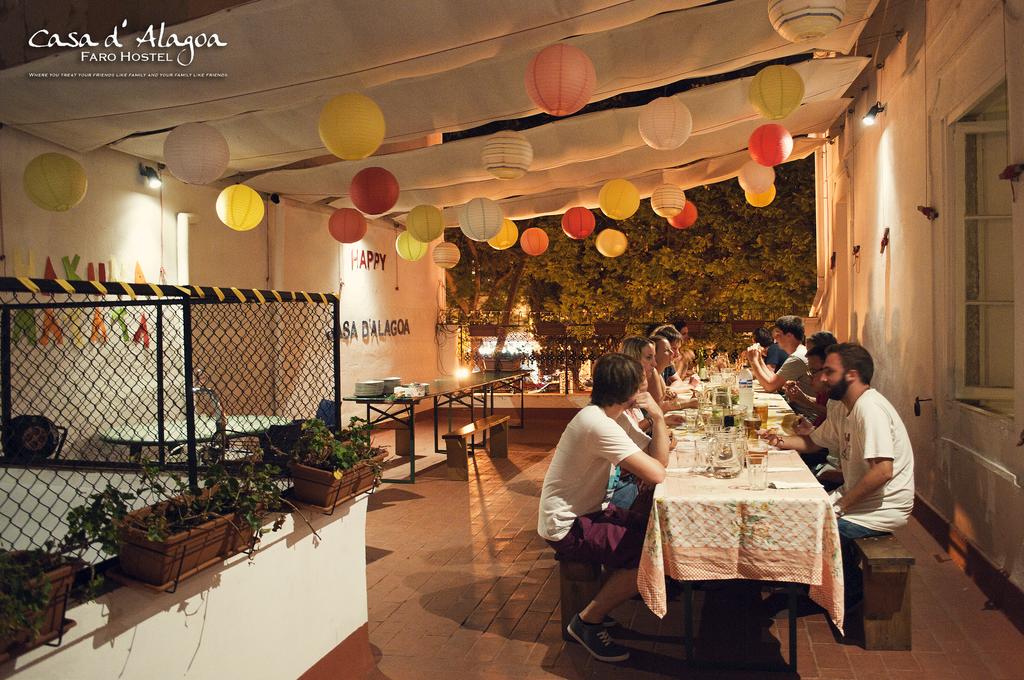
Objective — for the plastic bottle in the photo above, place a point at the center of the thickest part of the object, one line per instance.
(746, 386)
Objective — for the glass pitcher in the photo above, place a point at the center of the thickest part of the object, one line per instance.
(725, 461)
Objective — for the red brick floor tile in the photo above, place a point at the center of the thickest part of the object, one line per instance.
(900, 661)
(830, 656)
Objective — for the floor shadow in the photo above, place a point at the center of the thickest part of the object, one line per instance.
(526, 487)
(383, 498)
(374, 554)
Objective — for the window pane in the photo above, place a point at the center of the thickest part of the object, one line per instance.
(992, 193)
(989, 338)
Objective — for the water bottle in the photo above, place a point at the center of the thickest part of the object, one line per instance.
(746, 386)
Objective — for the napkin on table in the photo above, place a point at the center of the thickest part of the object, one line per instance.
(779, 484)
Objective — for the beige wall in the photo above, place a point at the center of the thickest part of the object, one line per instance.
(900, 304)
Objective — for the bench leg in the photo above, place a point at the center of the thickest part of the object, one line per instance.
(403, 446)
(887, 607)
(579, 582)
(458, 465)
(499, 441)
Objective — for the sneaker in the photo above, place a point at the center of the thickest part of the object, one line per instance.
(608, 622)
(596, 640)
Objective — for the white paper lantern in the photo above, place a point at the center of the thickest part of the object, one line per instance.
(446, 255)
(196, 153)
(797, 20)
(481, 219)
(756, 178)
(667, 200)
(507, 155)
(665, 124)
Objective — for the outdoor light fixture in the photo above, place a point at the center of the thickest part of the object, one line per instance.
(928, 211)
(151, 175)
(885, 240)
(461, 373)
(869, 117)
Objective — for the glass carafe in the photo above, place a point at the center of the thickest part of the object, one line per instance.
(725, 463)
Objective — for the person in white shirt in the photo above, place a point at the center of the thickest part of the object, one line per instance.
(874, 453)
(573, 519)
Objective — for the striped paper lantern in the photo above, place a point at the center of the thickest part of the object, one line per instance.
(619, 199)
(756, 178)
(480, 219)
(560, 79)
(762, 199)
(240, 207)
(797, 20)
(347, 225)
(409, 248)
(425, 223)
(665, 124)
(446, 255)
(507, 155)
(578, 222)
(667, 200)
(506, 237)
(196, 153)
(770, 144)
(776, 91)
(534, 241)
(611, 243)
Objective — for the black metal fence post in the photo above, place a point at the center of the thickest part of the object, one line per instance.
(190, 404)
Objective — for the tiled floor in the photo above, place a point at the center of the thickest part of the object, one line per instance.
(461, 586)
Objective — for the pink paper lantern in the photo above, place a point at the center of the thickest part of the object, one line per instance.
(578, 223)
(347, 225)
(560, 79)
(374, 190)
(770, 144)
(685, 219)
(534, 241)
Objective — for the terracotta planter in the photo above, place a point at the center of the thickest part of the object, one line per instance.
(505, 364)
(610, 328)
(696, 328)
(182, 554)
(483, 330)
(747, 326)
(550, 329)
(319, 487)
(50, 618)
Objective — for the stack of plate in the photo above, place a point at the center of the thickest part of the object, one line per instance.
(369, 388)
(390, 384)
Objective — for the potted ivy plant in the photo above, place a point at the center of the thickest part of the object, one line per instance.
(327, 469)
(185, 530)
(34, 587)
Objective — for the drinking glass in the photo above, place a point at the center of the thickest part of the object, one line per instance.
(752, 424)
(691, 419)
(702, 449)
(762, 413)
(757, 470)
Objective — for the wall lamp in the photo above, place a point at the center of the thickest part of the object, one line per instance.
(151, 175)
(869, 117)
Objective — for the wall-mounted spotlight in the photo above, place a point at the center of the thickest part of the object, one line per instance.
(152, 176)
(869, 117)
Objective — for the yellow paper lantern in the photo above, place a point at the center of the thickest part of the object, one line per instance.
(409, 248)
(762, 199)
(776, 91)
(667, 200)
(240, 207)
(619, 199)
(55, 182)
(351, 126)
(425, 223)
(507, 237)
(611, 243)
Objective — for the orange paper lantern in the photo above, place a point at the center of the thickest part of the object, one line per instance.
(685, 219)
(770, 144)
(560, 79)
(578, 223)
(347, 225)
(534, 241)
(374, 190)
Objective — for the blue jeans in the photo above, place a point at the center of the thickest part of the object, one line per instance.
(624, 490)
(853, 578)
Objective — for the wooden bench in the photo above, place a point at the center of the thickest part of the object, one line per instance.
(458, 448)
(579, 583)
(886, 565)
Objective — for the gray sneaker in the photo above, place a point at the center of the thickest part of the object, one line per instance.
(596, 640)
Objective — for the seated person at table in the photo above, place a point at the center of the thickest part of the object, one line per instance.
(875, 455)
(675, 342)
(791, 337)
(815, 406)
(623, 486)
(671, 399)
(642, 350)
(774, 355)
(572, 518)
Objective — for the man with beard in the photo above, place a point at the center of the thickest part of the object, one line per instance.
(875, 455)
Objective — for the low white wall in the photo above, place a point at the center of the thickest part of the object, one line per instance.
(274, 617)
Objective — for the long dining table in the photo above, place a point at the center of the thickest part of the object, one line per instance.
(704, 529)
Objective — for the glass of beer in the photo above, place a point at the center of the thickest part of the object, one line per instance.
(762, 413)
(752, 423)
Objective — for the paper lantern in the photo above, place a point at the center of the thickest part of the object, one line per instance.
(507, 155)
(425, 223)
(196, 153)
(776, 91)
(770, 144)
(55, 182)
(686, 218)
(619, 199)
(560, 79)
(534, 241)
(506, 237)
(351, 126)
(667, 200)
(578, 222)
(347, 225)
(762, 199)
(611, 243)
(409, 248)
(374, 190)
(797, 20)
(240, 207)
(756, 178)
(481, 219)
(446, 255)
(665, 124)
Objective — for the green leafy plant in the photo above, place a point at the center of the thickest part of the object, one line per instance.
(24, 590)
(318, 447)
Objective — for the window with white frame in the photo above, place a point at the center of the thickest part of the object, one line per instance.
(984, 254)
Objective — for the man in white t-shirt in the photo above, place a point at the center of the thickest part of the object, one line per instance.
(573, 517)
(874, 452)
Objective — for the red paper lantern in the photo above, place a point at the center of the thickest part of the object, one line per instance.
(578, 223)
(770, 144)
(347, 225)
(534, 241)
(560, 79)
(685, 219)
(374, 190)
